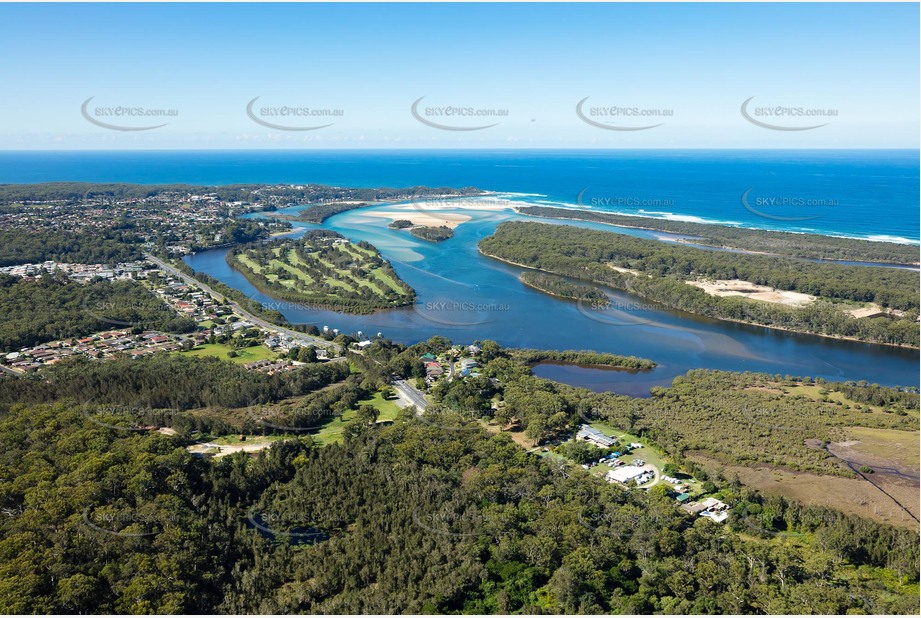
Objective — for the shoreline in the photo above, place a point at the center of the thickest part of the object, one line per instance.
(690, 240)
(779, 328)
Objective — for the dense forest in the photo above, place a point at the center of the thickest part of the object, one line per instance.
(810, 246)
(54, 307)
(97, 515)
(664, 269)
(78, 247)
(402, 519)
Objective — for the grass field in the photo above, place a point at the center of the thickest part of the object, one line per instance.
(899, 448)
(323, 269)
(244, 355)
(814, 392)
(848, 495)
(331, 432)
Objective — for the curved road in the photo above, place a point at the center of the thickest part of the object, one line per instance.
(302, 338)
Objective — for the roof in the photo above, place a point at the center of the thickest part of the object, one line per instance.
(589, 432)
(626, 473)
(713, 503)
(693, 507)
(682, 497)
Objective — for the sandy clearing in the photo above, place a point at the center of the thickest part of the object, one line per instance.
(746, 289)
(229, 449)
(872, 310)
(621, 269)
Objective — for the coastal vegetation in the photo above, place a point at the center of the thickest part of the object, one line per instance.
(562, 287)
(661, 272)
(808, 246)
(580, 357)
(432, 233)
(325, 270)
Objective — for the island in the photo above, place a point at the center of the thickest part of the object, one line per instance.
(432, 233)
(324, 270)
(561, 287)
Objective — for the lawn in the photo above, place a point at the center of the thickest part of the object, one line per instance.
(331, 432)
(388, 408)
(343, 273)
(244, 355)
(899, 448)
(815, 393)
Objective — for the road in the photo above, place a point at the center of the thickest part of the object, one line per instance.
(412, 394)
(302, 338)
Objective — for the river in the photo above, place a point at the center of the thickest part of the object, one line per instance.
(465, 296)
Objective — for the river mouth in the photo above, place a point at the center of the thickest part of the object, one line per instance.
(603, 378)
(466, 296)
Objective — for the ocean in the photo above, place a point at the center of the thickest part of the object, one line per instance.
(871, 194)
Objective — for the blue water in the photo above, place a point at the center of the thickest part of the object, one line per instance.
(465, 296)
(866, 194)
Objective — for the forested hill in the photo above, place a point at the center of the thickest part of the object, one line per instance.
(99, 513)
(405, 519)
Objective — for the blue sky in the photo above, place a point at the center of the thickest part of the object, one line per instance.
(370, 62)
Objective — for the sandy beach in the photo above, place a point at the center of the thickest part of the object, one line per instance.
(433, 212)
(451, 220)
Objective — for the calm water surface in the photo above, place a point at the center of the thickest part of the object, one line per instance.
(465, 297)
